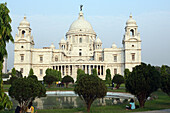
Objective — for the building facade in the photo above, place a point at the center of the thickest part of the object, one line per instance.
(80, 48)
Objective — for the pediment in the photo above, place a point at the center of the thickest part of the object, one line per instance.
(80, 60)
(133, 39)
(22, 40)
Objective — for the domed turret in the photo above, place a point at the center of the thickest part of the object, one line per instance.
(52, 46)
(24, 23)
(98, 40)
(81, 26)
(131, 21)
(114, 45)
(62, 40)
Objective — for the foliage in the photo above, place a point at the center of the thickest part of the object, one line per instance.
(67, 79)
(18, 73)
(25, 90)
(5, 36)
(12, 78)
(31, 72)
(108, 77)
(49, 79)
(94, 72)
(142, 81)
(55, 73)
(118, 80)
(126, 74)
(90, 88)
(33, 77)
(13, 72)
(80, 73)
(165, 79)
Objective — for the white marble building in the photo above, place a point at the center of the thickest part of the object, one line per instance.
(80, 48)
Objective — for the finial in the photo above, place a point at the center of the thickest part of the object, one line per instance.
(81, 7)
(130, 15)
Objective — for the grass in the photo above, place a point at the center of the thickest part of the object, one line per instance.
(161, 102)
(53, 87)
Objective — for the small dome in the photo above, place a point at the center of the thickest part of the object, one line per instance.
(81, 24)
(62, 40)
(52, 46)
(131, 21)
(114, 45)
(24, 23)
(98, 40)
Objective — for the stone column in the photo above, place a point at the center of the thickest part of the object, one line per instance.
(97, 69)
(85, 69)
(100, 70)
(89, 69)
(65, 70)
(104, 70)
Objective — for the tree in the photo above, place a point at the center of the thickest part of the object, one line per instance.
(118, 80)
(94, 72)
(25, 90)
(80, 73)
(12, 79)
(49, 79)
(90, 88)
(108, 77)
(67, 79)
(142, 81)
(165, 79)
(126, 74)
(13, 72)
(5, 36)
(55, 73)
(31, 72)
(18, 73)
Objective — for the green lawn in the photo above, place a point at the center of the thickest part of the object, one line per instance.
(53, 87)
(162, 102)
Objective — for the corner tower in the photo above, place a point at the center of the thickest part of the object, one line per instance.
(23, 45)
(131, 44)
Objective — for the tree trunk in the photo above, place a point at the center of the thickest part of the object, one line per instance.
(66, 85)
(117, 86)
(142, 100)
(88, 107)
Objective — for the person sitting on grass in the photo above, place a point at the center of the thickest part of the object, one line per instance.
(132, 105)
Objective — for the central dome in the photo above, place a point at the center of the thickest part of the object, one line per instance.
(81, 24)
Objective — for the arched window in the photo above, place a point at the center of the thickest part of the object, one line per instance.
(80, 40)
(131, 32)
(23, 34)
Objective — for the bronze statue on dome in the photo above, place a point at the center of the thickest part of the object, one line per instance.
(81, 7)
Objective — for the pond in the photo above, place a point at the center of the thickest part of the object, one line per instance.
(68, 99)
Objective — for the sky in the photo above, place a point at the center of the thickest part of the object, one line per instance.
(50, 20)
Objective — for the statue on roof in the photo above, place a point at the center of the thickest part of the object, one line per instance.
(81, 7)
